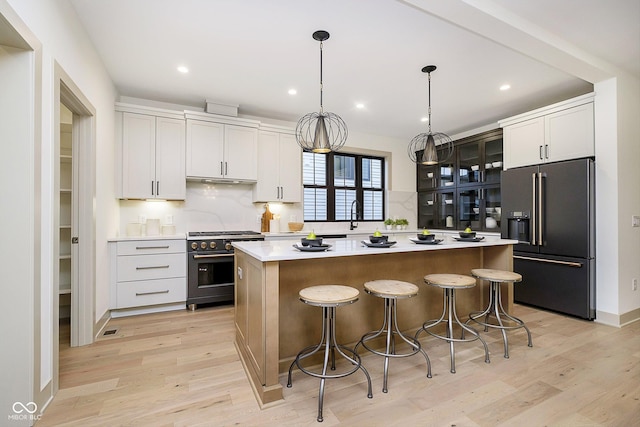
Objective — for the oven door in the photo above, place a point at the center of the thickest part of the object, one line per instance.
(210, 278)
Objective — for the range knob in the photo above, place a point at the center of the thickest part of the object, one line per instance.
(194, 245)
(203, 245)
(213, 245)
(228, 246)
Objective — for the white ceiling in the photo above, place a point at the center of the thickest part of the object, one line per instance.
(251, 52)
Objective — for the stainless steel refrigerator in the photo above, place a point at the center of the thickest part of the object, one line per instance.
(550, 210)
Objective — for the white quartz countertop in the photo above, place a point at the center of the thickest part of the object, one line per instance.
(178, 236)
(283, 250)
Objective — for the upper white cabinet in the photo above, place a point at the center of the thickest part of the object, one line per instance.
(151, 154)
(280, 167)
(221, 148)
(561, 131)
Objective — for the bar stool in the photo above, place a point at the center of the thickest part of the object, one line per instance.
(495, 309)
(391, 291)
(329, 297)
(451, 282)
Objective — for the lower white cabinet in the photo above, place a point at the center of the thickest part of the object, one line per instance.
(148, 273)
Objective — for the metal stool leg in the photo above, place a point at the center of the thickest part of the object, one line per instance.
(330, 345)
(496, 309)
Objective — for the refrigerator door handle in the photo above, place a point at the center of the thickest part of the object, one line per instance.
(533, 211)
(540, 207)
(550, 261)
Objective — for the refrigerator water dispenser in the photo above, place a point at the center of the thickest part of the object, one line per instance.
(518, 226)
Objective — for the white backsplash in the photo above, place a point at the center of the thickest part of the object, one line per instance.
(213, 207)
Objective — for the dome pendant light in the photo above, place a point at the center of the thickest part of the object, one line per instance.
(321, 132)
(423, 149)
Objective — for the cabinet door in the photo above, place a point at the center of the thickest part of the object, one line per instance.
(493, 161)
(570, 133)
(492, 208)
(205, 145)
(446, 209)
(524, 143)
(427, 214)
(469, 163)
(170, 155)
(267, 187)
(241, 153)
(427, 177)
(469, 209)
(138, 156)
(290, 167)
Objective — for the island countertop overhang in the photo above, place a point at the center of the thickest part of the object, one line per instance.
(283, 250)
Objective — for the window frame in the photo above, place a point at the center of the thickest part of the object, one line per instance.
(330, 186)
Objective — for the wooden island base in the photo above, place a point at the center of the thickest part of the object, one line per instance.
(272, 325)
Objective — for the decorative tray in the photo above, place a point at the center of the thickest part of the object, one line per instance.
(321, 248)
(469, 239)
(386, 244)
(426, 242)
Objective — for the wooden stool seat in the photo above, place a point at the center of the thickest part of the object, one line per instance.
(391, 291)
(449, 283)
(496, 275)
(329, 297)
(495, 310)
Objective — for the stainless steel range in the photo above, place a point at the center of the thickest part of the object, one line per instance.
(210, 275)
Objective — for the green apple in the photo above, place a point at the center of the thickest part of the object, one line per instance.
(426, 232)
(377, 233)
(468, 230)
(311, 235)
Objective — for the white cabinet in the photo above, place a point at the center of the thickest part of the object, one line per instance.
(148, 273)
(151, 155)
(561, 131)
(279, 169)
(222, 150)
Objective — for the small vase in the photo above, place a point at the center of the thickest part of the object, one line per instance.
(388, 226)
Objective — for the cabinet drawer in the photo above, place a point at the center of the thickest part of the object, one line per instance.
(145, 267)
(151, 292)
(145, 247)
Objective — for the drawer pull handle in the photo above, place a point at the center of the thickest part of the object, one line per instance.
(152, 293)
(152, 247)
(151, 267)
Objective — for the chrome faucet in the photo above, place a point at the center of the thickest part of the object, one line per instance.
(351, 225)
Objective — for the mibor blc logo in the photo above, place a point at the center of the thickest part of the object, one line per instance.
(24, 411)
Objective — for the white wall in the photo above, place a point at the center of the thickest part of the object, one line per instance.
(64, 41)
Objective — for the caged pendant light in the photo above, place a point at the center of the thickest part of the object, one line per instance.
(423, 148)
(321, 132)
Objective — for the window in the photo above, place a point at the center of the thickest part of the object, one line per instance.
(333, 181)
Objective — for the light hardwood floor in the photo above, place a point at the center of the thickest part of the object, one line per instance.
(181, 369)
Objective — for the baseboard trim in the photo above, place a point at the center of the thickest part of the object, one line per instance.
(617, 320)
(99, 326)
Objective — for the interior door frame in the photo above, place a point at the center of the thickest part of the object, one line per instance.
(83, 253)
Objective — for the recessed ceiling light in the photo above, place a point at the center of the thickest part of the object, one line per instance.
(360, 105)
(424, 119)
(505, 87)
(292, 91)
(183, 69)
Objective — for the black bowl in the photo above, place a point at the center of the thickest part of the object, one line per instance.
(311, 242)
(467, 235)
(426, 236)
(378, 239)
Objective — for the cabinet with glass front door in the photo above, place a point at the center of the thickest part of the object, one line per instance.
(465, 190)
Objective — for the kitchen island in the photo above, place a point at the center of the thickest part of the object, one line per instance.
(272, 325)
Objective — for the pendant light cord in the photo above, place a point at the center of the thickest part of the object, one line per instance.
(429, 109)
(321, 108)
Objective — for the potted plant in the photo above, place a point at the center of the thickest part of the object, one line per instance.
(402, 223)
(389, 223)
